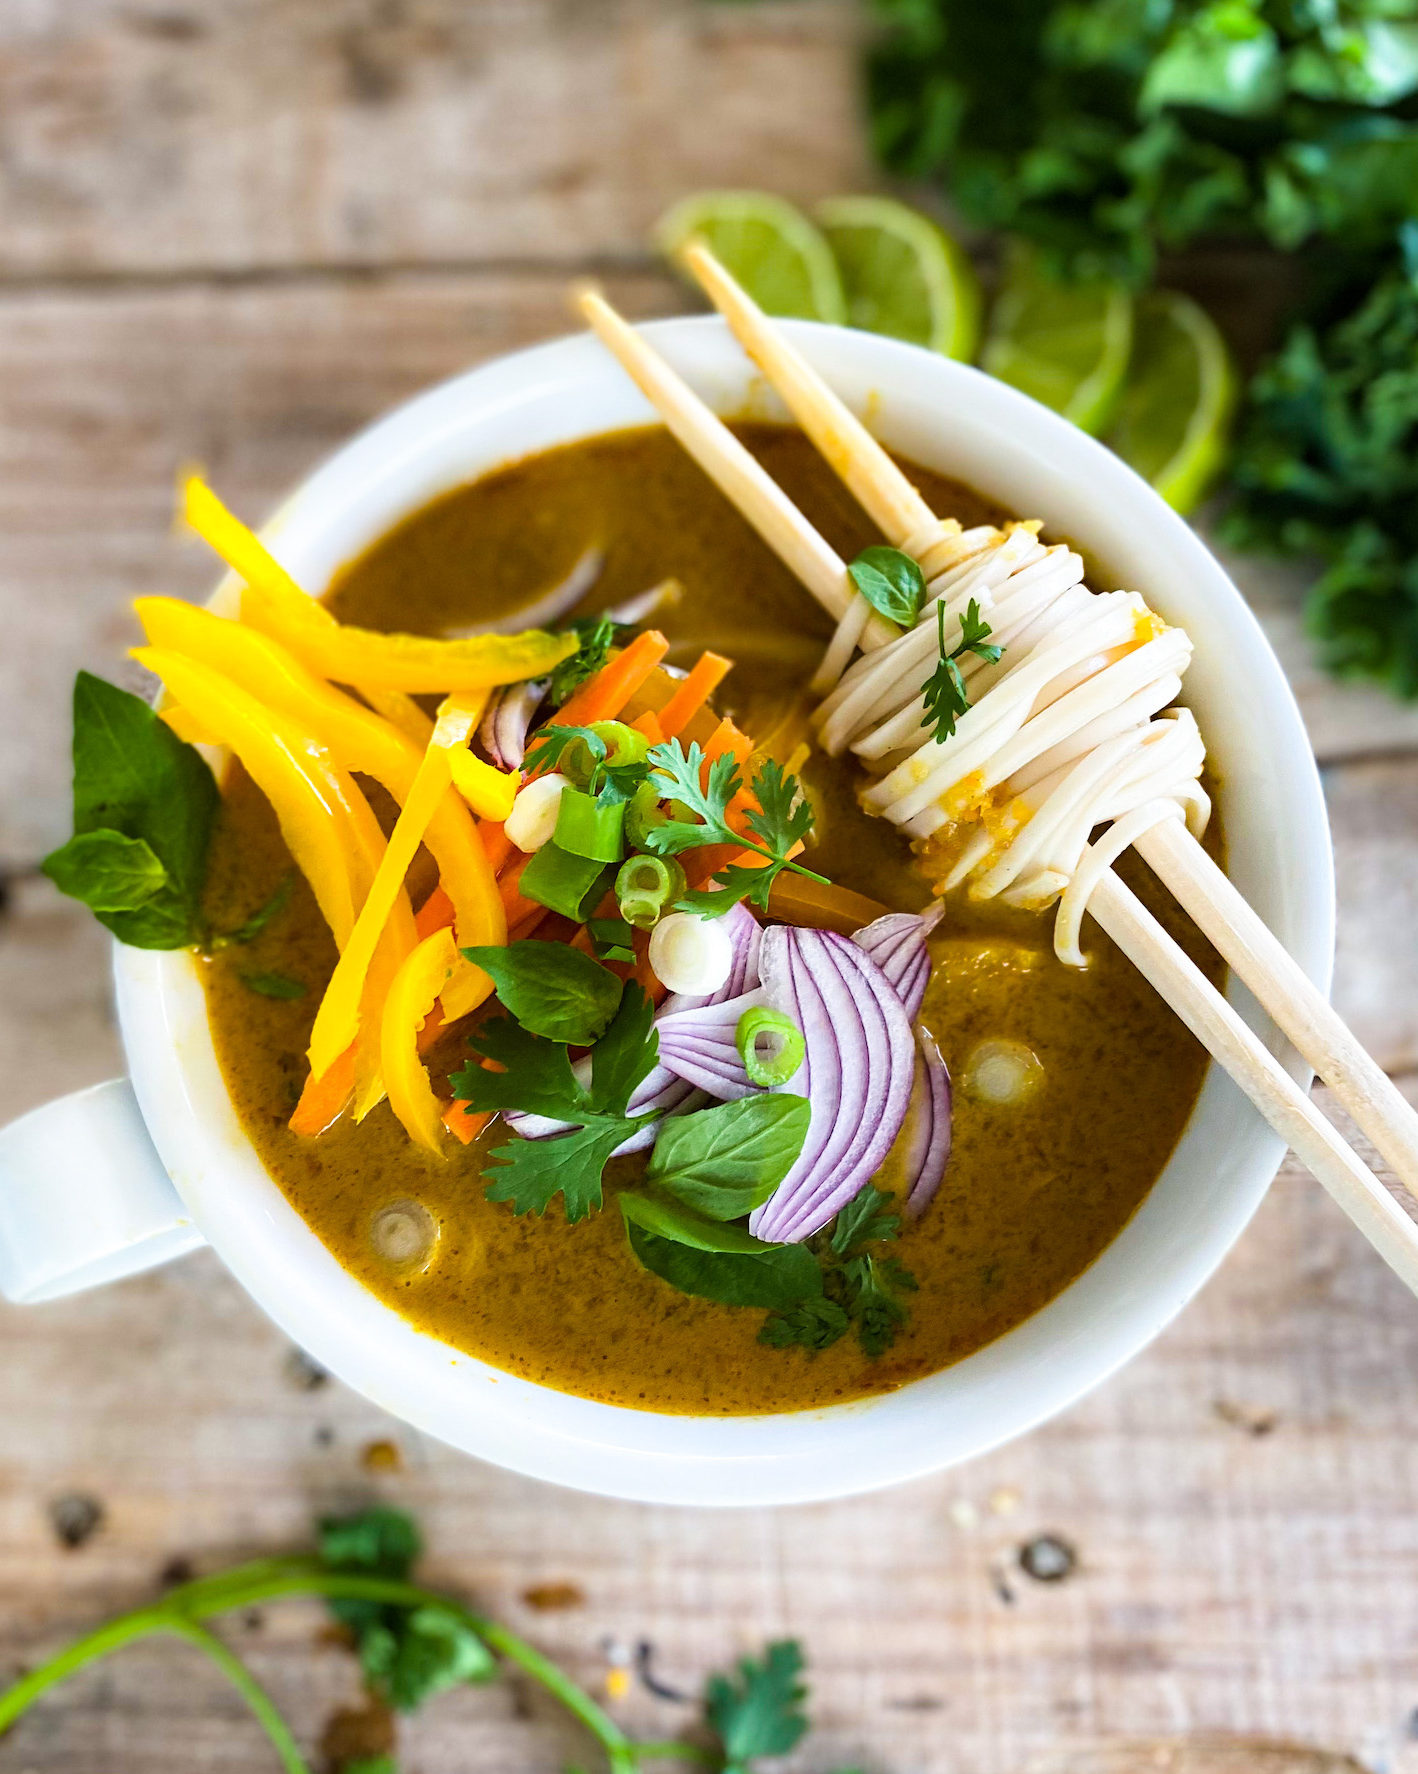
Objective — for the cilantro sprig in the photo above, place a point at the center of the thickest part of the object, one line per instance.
(414, 1643)
(595, 636)
(606, 781)
(944, 691)
(782, 818)
(861, 1284)
(537, 1078)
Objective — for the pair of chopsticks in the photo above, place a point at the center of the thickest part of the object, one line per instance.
(1199, 886)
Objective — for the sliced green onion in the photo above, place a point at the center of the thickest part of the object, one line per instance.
(571, 885)
(612, 938)
(647, 886)
(624, 745)
(587, 827)
(770, 1045)
(643, 813)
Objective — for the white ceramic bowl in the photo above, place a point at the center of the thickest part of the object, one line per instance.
(951, 418)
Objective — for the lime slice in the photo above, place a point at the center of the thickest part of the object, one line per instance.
(902, 274)
(1066, 344)
(1171, 422)
(772, 248)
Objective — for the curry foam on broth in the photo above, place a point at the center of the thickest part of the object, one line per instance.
(1037, 1185)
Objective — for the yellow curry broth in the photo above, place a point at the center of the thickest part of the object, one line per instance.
(1033, 1193)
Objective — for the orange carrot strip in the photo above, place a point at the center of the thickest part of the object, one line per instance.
(649, 725)
(496, 843)
(465, 1123)
(606, 694)
(694, 692)
(324, 1099)
(433, 914)
(726, 737)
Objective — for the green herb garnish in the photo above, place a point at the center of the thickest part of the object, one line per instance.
(612, 938)
(891, 582)
(714, 1261)
(260, 918)
(599, 759)
(944, 691)
(782, 818)
(553, 990)
(273, 985)
(414, 1643)
(595, 637)
(758, 1710)
(861, 1286)
(144, 803)
(725, 1161)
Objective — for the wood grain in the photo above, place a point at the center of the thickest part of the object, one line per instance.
(235, 230)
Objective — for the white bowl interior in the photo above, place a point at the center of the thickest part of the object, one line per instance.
(951, 418)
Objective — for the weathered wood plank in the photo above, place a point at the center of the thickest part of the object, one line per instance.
(1239, 1501)
(172, 136)
(102, 395)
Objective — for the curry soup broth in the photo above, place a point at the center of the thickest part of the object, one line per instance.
(1032, 1193)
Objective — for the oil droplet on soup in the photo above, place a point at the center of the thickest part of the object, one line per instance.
(1037, 1185)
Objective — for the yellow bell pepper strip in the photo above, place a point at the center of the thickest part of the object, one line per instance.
(489, 792)
(337, 1021)
(412, 996)
(316, 813)
(185, 726)
(359, 740)
(250, 559)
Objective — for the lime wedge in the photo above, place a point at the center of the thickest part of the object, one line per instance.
(1171, 422)
(902, 274)
(1066, 344)
(772, 248)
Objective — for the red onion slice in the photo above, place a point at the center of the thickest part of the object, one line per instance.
(701, 1045)
(550, 607)
(857, 1073)
(502, 732)
(927, 1131)
(897, 943)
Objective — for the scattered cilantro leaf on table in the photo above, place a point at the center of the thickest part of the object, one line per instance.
(758, 1709)
(944, 691)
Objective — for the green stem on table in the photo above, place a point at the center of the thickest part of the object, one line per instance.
(182, 1608)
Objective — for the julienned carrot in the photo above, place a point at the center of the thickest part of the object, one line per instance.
(649, 725)
(603, 697)
(694, 692)
(435, 912)
(324, 1099)
(496, 843)
(516, 905)
(727, 738)
(464, 1122)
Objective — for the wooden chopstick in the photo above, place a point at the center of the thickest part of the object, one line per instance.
(734, 470)
(1229, 1040)
(1212, 901)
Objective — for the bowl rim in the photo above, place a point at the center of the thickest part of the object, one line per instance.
(1209, 1189)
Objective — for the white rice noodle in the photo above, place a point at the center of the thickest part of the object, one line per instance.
(1072, 729)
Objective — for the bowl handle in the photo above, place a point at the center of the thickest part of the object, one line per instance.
(84, 1198)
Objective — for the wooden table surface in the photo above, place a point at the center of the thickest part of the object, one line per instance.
(233, 231)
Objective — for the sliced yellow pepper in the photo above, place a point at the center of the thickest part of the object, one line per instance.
(184, 725)
(412, 995)
(337, 1021)
(359, 739)
(275, 604)
(489, 792)
(250, 559)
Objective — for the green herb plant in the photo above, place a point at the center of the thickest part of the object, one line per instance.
(145, 804)
(414, 1643)
(944, 691)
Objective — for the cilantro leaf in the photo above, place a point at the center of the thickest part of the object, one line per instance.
(538, 1078)
(944, 691)
(758, 1709)
(552, 989)
(867, 1217)
(872, 1284)
(595, 637)
(814, 1324)
(891, 582)
(861, 1286)
(551, 744)
(407, 1654)
(585, 757)
(781, 819)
